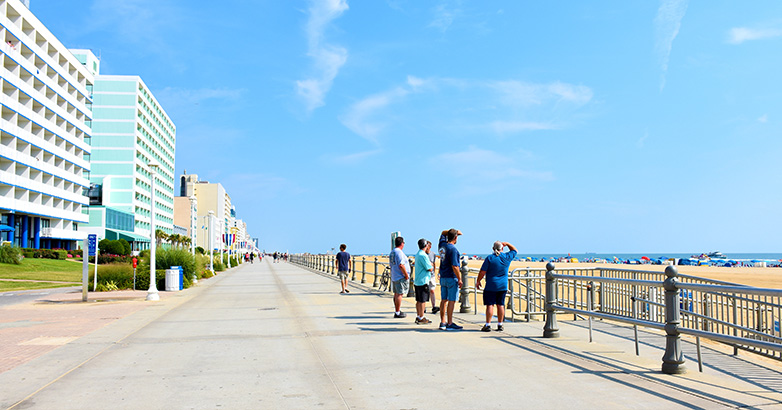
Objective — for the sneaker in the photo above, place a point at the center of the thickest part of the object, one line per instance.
(347, 291)
(500, 328)
(454, 326)
(443, 326)
(400, 315)
(423, 321)
(435, 309)
(486, 328)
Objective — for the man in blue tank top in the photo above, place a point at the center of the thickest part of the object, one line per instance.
(495, 269)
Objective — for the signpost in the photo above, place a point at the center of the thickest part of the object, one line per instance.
(135, 263)
(90, 245)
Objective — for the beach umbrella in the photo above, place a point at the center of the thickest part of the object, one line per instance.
(6, 228)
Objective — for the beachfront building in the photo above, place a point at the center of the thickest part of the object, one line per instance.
(131, 130)
(45, 130)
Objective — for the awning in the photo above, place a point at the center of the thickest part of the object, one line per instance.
(128, 236)
(6, 228)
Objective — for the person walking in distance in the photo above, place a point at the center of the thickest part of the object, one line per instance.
(495, 269)
(450, 277)
(432, 282)
(400, 275)
(423, 273)
(343, 267)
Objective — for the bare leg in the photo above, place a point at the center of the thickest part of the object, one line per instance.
(490, 313)
(434, 301)
(451, 303)
(419, 308)
(442, 310)
(397, 302)
(500, 313)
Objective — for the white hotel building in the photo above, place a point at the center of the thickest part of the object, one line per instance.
(45, 132)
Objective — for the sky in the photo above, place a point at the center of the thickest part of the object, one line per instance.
(569, 126)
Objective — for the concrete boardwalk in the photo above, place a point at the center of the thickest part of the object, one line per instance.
(279, 336)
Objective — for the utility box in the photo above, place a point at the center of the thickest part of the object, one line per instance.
(173, 279)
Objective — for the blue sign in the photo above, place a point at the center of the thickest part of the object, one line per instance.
(776, 326)
(92, 241)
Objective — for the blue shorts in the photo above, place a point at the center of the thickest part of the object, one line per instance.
(449, 289)
(494, 297)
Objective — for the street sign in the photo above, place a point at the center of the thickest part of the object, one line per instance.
(92, 241)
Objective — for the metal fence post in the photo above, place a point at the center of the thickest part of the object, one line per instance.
(550, 329)
(353, 262)
(363, 269)
(411, 286)
(374, 281)
(673, 360)
(464, 298)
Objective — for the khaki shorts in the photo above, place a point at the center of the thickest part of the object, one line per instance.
(343, 274)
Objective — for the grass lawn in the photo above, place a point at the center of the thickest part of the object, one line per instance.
(43, 269)
(6, 286)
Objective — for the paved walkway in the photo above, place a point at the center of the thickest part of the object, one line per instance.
(279, 336)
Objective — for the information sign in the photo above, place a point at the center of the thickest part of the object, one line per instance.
(92, 241)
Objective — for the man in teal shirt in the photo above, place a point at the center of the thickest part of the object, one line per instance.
(423, 273)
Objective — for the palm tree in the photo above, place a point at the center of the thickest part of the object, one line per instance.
(174, 239)
(160, 236)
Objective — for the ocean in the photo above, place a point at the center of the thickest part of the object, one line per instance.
(631, 256)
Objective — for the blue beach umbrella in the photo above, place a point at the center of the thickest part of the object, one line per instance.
(6, 228)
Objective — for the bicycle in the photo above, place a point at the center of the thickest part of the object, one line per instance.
(385, 279)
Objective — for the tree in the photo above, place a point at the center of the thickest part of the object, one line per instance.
(125, 247)
(160, 236)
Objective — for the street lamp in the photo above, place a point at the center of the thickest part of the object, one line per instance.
(152, 294)
(211, 246)
(193, 221)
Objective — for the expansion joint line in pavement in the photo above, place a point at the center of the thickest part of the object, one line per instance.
(288, 297)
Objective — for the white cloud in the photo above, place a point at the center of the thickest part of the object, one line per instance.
(481, 171)
(514, 127)
(353, 158)
(196, 96)
(444, 16)
(763, 118)
(327, 59)
(642, 140)
(738, 35)
(361, 117)
(526, 94)
(666, 26)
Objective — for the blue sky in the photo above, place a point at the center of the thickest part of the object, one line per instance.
(609, 127)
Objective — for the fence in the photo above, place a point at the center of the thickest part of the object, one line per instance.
(743, 317)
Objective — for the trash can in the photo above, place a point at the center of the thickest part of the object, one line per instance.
(181, 277)
(172, 279)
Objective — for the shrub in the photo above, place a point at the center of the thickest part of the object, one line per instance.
(28, 254)
(200, 250)
(61, 254)
(121, 275)
(125, 247)
(219, 267)
(166, 258)
(107, 286)
(103, 245)
(110, 258)
(77, 253)
(10, 254)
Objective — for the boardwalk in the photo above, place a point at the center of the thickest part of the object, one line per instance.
(278, 336)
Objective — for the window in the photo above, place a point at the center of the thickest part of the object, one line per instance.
(75, 226)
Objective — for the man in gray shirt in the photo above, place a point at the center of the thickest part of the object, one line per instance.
(400, 275)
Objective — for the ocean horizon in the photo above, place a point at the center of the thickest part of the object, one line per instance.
(630, 256)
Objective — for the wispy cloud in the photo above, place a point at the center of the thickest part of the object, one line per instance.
(738, 35)
(763, 118)
(666, 27)
(353, 158)
(327, 58)
(362, 119)
(482, 171)
(500, 107)
(185, 96)
(444, 15)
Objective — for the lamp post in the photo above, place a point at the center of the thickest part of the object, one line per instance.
(211, 246)
(193, 223)
(152, 294)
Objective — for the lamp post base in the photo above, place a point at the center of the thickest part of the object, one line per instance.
(153, 296)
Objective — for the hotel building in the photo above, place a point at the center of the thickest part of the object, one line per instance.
(45, 130)
(131, 130)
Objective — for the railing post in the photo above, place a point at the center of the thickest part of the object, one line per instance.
(706, 312)
(550, 329)
(374, 281)
(363, 269)
(464, 298)
(353, 275)
(673, 360)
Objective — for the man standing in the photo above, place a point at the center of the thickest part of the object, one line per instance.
(400, 276)
(343, 267)
(450, 277)
(495, 269)
(423, 274)
(432, 283)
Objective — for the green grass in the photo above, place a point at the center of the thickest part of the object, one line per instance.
(6, 286)
(44, 270)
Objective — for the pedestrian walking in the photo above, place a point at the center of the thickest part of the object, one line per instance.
(423, 274)
(400, 276)
(432, 281)
(495, 270)
(252, 256)
(343, 267)
(450, 277)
